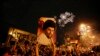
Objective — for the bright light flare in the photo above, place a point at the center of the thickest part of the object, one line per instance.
(84, 29)
(87, 37)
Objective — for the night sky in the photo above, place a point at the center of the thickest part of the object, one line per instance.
(24, 14)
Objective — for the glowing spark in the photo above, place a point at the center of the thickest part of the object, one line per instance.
(83, 29)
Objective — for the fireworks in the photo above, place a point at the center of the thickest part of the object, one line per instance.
(84, 29)
(65, 18)
(87, 37)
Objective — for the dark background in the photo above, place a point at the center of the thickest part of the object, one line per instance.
(24, 14)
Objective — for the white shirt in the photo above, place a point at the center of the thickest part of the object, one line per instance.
(42, 39)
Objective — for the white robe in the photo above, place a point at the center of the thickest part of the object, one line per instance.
(43, 40)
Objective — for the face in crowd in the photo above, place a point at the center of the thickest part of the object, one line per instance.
(49, 32)
(49, 28)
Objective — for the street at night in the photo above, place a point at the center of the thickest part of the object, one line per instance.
(49, 28)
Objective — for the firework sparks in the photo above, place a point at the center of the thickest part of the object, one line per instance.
(65, 18)
(84, 29)
(87, 37)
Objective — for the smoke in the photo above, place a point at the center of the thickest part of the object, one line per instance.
(65, 18)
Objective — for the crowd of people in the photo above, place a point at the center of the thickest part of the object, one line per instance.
(28, 49)
(43, 45)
